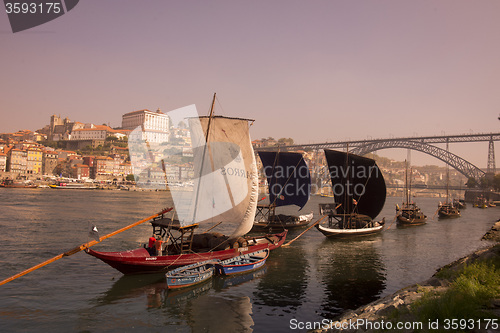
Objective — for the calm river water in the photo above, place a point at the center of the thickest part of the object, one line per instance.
(313, 279)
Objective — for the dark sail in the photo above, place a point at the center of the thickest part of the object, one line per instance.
(288, 178)
(357, 183)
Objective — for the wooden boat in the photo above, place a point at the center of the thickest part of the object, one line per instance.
(447, 209)
(190, 275)
(243, 263)
(225, 191)
(184, 247)
(289, 183)
(460, 203)
(71, 186)
(9, 183)
(359, 192)
(409, 213)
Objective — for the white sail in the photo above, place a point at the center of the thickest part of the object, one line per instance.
(226, 187)
(224, 179)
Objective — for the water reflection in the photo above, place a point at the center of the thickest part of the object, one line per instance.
(214, 313)
(352, 273)
(133, 286)
(285, 283)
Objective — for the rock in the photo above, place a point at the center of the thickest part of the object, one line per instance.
(493, 234)
(495, 303)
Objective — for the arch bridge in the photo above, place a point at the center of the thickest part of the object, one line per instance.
(422, 144)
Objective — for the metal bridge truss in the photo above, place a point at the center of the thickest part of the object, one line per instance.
(422, 144)
(467, 169)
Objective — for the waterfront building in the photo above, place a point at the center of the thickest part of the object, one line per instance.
(34, 161)
(153, 177)
(80, 171)
(3, 162)
(125, 169)
(154, 125)
(103, 166)
(88, 160)
(17, 161)
(49, 162)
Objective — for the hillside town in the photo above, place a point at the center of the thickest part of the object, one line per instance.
(86, 152)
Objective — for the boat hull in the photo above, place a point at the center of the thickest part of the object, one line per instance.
(238, 266)
(345, 233)
(402, 220)
(139, 261)
(293, 222)
(443, 215)
(70, 187)
(191, 275)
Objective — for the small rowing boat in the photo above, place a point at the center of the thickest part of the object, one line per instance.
(189, 275)
(243, 263)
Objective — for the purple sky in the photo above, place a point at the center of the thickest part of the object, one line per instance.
(311, 70)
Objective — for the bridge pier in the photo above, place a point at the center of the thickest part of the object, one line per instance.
(491, 169)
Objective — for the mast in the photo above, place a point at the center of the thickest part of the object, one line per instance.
(348, 203)
(447, 172)
(447, 181)
(210, 118)
(203, 157)
(406, 183)
(409, 186)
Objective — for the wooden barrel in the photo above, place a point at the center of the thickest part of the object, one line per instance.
(243, 242)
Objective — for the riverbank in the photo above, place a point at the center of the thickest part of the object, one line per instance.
(403, 306)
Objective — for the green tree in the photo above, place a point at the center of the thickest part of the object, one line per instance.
(496, 182)
(471, 183)
(285, 141)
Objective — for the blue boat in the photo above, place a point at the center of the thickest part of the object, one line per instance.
(243, 263)
(189, 275)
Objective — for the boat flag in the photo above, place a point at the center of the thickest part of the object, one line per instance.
(94, 233)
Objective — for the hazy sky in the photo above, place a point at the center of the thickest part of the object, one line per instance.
(311, 70)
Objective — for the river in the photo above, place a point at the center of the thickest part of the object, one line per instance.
(313, 279)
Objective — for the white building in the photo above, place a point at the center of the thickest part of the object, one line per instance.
(155, 125)
(3, 161)
(98, 132)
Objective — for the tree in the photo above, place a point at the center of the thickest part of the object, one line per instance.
(471, 183)
(131, 178)
(285, 141)
(496, 182)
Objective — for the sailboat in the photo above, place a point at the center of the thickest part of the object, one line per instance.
(447, 209)
(289, 183)
(225, 191)
(409, 213)
(359, 191)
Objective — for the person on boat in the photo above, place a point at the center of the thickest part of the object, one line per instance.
(158, 245)
(151, 246)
